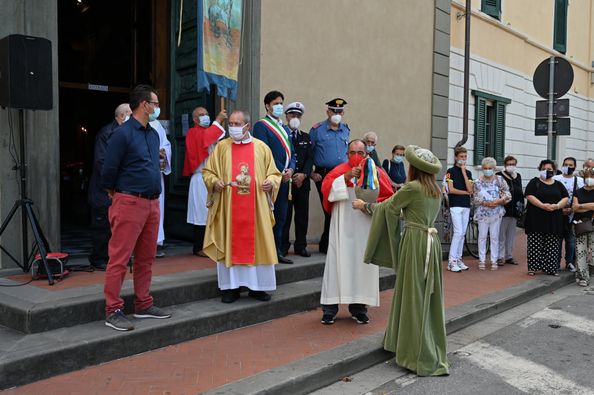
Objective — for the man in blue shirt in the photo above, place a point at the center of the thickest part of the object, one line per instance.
(272, 132)
(98, 198)
(131, 175)
(330, 140)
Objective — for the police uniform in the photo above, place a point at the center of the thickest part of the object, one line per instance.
(329, 148)
(300, 195)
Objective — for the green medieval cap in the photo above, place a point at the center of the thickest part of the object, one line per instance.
(422, 159)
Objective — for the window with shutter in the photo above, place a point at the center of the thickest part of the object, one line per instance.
(489, 126)
(492, 8)
(560, 28)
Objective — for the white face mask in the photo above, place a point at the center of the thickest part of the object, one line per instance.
(294, 123)
(461, 162)
(589, 181)
(204, 121)
(336, 118)
(510, 169)
(126, 119)
(236, 132)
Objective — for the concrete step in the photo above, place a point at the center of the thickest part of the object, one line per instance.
(325, 368)
(33, 309)
(30, 357)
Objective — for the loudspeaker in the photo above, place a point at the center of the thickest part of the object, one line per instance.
(26, 72)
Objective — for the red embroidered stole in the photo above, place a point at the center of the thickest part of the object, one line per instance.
(243, 205)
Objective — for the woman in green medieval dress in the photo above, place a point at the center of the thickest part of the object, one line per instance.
(416, 327)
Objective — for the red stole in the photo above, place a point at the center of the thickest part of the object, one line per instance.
(243, 205)
(198, 140)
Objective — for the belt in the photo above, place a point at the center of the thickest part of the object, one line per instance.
(140, 195)
(430, 233)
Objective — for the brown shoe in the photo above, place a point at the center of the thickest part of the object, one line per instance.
(201, 254)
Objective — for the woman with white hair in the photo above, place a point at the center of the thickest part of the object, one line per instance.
(491, 193)
(370, 139)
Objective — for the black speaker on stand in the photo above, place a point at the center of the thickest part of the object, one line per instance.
(26, 84)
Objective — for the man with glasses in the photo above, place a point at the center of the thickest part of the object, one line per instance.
(131, 175)
(329, 140)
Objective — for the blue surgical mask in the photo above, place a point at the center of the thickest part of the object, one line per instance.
(370, 148)
(277, 110)
(488, 172)
(204, 121)
(155, 114)
(397, 158)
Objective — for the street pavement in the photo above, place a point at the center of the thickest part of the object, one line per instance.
(545, 346)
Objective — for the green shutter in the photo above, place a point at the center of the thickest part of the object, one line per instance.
(492, 8)
(560, 29)
(499, 132)
(480, 129)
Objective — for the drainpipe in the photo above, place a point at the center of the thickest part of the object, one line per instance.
(467, 16)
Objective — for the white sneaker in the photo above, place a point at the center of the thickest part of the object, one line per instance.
(462, 266)
(453, 267)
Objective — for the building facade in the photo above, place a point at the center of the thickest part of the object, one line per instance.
(508, 41)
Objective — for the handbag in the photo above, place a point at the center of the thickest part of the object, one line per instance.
(583, 227)
(521, 221)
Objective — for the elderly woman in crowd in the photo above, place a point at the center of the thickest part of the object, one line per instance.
(513, 210)
(491, 193)
(583, 208)
(370, 139)
(544, 220)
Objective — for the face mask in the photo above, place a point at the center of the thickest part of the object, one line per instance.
(510, 169)
(589, 181)
(488, 172)
(204, 121)
(546, 174)
(335, 119)
(155, 114)
(126, 119)
(370, 148)
(397, 158)
(277, 110)
(294, 123)
(355, 160)
(567, 170)
(461, 162)
(236, 132)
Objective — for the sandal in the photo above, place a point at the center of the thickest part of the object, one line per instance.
(531, 273)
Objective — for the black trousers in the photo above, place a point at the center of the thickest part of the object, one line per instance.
(299, 204)
(198, 238)
(100, 235)
(354, 308)
(327, 216)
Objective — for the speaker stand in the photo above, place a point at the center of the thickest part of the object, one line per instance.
(27, 215)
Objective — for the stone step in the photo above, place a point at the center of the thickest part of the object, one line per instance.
(33, 309)
(30, 357)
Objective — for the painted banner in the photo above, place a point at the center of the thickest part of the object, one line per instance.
(219, 39)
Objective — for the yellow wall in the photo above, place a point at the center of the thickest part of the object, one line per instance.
(377, 55)
(520, 41)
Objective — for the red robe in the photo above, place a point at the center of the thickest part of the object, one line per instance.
(339, 171)
(197, 141)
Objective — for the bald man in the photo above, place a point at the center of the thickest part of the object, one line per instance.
(98, 199)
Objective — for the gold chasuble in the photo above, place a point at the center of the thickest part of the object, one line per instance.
(241, 213)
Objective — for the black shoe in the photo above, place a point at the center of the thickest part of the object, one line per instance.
(260, 295)
(361, 318)
(160, 253)
(229, 295)
(152, 312)
(327, 319)
(118, 321)
(323, 250)
(100, 267)
(511, 261)
(304, 253)
(284, 260)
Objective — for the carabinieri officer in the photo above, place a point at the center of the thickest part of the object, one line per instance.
(330, 140)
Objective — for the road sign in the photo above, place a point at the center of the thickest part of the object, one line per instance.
(561, 126)
(563, 77)
(560, 108)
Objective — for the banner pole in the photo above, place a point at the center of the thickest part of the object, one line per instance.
(222, 103)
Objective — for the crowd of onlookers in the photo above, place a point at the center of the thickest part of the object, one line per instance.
(555, 208)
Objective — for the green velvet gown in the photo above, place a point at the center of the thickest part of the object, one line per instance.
(416, 327)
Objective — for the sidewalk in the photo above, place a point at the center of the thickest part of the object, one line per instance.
(209, 362)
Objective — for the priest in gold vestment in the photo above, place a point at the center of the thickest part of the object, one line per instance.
(242, 182)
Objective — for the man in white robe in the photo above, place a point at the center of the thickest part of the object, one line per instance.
(347, 280)
(165, 152)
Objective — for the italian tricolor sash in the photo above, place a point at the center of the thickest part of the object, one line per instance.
(243, 205)
(280, 134)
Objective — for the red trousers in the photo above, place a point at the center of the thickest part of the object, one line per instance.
(134, 228)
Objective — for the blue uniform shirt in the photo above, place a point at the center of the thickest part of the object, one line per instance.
(132, 159)
(329, 146)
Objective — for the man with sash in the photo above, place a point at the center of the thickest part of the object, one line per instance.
(242, 182)
(347, 280)
(272, 132)
(200, 142)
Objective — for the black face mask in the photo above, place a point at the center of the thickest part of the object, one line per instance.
(550, 174)
(570, 170)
